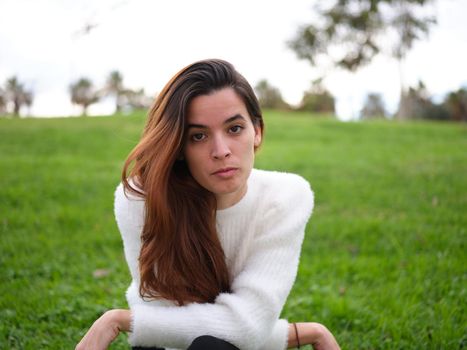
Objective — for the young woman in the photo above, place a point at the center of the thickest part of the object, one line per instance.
(212, 244)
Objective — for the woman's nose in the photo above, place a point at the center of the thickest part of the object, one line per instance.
(220, 148)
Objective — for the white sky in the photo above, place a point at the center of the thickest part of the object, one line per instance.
(149, 41)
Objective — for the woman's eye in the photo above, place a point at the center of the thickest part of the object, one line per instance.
(198, 137)
(236, 129)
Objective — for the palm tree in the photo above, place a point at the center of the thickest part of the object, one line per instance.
(83, 93)
(114, 86)
(16, 93)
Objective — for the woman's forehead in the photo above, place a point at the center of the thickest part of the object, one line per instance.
(216, 108)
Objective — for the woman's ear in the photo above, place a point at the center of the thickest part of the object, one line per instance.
(258, 136)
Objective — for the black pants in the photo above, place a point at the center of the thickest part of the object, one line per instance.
(205, 342)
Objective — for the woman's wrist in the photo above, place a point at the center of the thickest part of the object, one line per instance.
(119, 318)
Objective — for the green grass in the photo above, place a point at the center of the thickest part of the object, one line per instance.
(383, 262)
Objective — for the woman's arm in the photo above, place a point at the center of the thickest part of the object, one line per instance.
(105, 329)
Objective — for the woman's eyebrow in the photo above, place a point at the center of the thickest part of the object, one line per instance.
(227, 121)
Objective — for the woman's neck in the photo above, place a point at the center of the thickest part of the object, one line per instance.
(227, 200)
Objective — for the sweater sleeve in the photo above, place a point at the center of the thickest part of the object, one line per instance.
(129, 215)
(247, 316)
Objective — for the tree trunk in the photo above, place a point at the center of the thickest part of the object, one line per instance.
(16, 107)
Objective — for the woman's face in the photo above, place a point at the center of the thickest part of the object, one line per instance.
(220, 144)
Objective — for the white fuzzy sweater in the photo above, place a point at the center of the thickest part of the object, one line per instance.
(261, 236)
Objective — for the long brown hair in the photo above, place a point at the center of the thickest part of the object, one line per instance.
(181, 257)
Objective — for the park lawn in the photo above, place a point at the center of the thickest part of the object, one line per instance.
(383, 262)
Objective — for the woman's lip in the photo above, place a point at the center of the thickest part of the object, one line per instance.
(225, 171)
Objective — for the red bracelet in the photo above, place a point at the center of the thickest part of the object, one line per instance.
(296, 334)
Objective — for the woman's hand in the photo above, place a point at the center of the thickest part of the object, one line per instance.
(312, 333)
(322, 338)
(104, 330)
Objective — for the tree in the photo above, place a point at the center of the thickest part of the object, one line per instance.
(2, 102)
(317, 99)
(418, 105)
(269, 96)
(373, 107)
(114, 86)
(456, 104)
(135, 99)
(28, 99)
(352, 32)
(83, 93)
(17, 95)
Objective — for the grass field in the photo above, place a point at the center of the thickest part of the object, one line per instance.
(383, 262)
